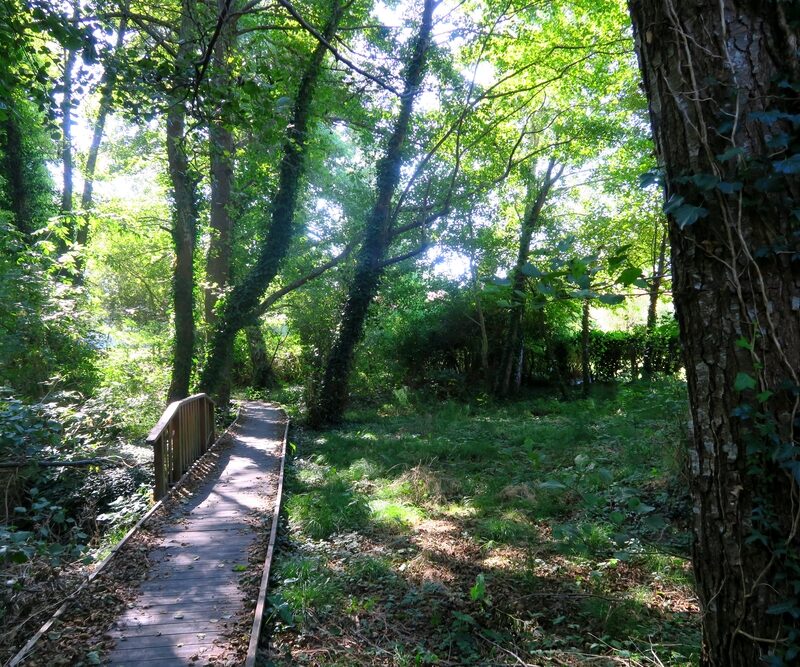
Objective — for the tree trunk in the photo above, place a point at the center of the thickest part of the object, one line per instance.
(262, 376)
(722, 81)
(244, 298)
(655, 288)
(586, 371)
(332, 398)
(184, 217)
(513, 342)
(221, 148)
(106, 99)
(18, 191)
(218, 261)
(66, 136)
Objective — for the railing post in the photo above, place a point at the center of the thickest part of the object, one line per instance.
(158, 468)
(176, 449)
(212, 424)
(184, 433)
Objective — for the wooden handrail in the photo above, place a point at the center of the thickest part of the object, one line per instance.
(182, 435)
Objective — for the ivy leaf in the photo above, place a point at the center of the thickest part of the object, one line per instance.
(648, 178)
(552, 485)
(786, 607)
(704, 181)
(687, 215)
(730, 154)
(531, 271)
(629, 276)
(674, 203)
(743, 382)
(728, 188)
(611, 299)
(790, 165)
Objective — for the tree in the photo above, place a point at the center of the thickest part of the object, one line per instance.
(722, 81)
(332, 397)
(240, 305)
(539, 188)
(184, 196)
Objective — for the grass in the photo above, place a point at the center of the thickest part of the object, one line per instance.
(571, 515)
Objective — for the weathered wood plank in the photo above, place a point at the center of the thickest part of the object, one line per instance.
(193, 579)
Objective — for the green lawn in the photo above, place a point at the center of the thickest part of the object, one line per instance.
(537, 532)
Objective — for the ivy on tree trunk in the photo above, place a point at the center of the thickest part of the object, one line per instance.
(722, 80)
(184, 217)
(332, 396)
(241, 303)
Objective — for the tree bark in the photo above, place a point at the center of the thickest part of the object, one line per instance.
(722, 81)
(262, 376)
(513, 343)
(333, 393)
(184, 216)
(18, 190)
(107, 85)
(66, 137)
(244, 298)
(221, 149)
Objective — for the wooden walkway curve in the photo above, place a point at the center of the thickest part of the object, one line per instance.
(183, 608)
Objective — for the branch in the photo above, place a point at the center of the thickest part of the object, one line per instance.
(406, 255)
(63, 464)
(273, 298)
(202, 65)
(316, 34)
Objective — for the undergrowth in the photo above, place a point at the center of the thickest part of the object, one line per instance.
(540, 531)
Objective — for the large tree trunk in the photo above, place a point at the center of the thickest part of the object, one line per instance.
(240, 305)
(18, 190)
(262, 375)
(218, 261)
(221, 147)
(66, 137)
(538, 192)
(221, 150)
(721, 78)
(106, 99)
(332, 398)
(184, 217)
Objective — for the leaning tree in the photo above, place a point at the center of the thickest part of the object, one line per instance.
(723, 83)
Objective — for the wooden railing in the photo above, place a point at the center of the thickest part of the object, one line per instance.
(183, 434)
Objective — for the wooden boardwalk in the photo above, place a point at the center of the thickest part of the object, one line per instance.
(188, 603)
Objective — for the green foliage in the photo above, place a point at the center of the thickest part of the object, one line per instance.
(328, 508)
(571, 488)
(45, 340)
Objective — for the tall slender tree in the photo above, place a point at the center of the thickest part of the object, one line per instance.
(332, 396)
(722, 80)
(184, 214)
(539, 189)
(241, 303)
(107, 85)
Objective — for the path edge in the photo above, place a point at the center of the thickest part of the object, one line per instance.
(23, 653)
(258, 618)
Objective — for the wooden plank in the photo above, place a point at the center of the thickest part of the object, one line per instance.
(138, 655)
(103, 565)
(176, 627)
(258, 618)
